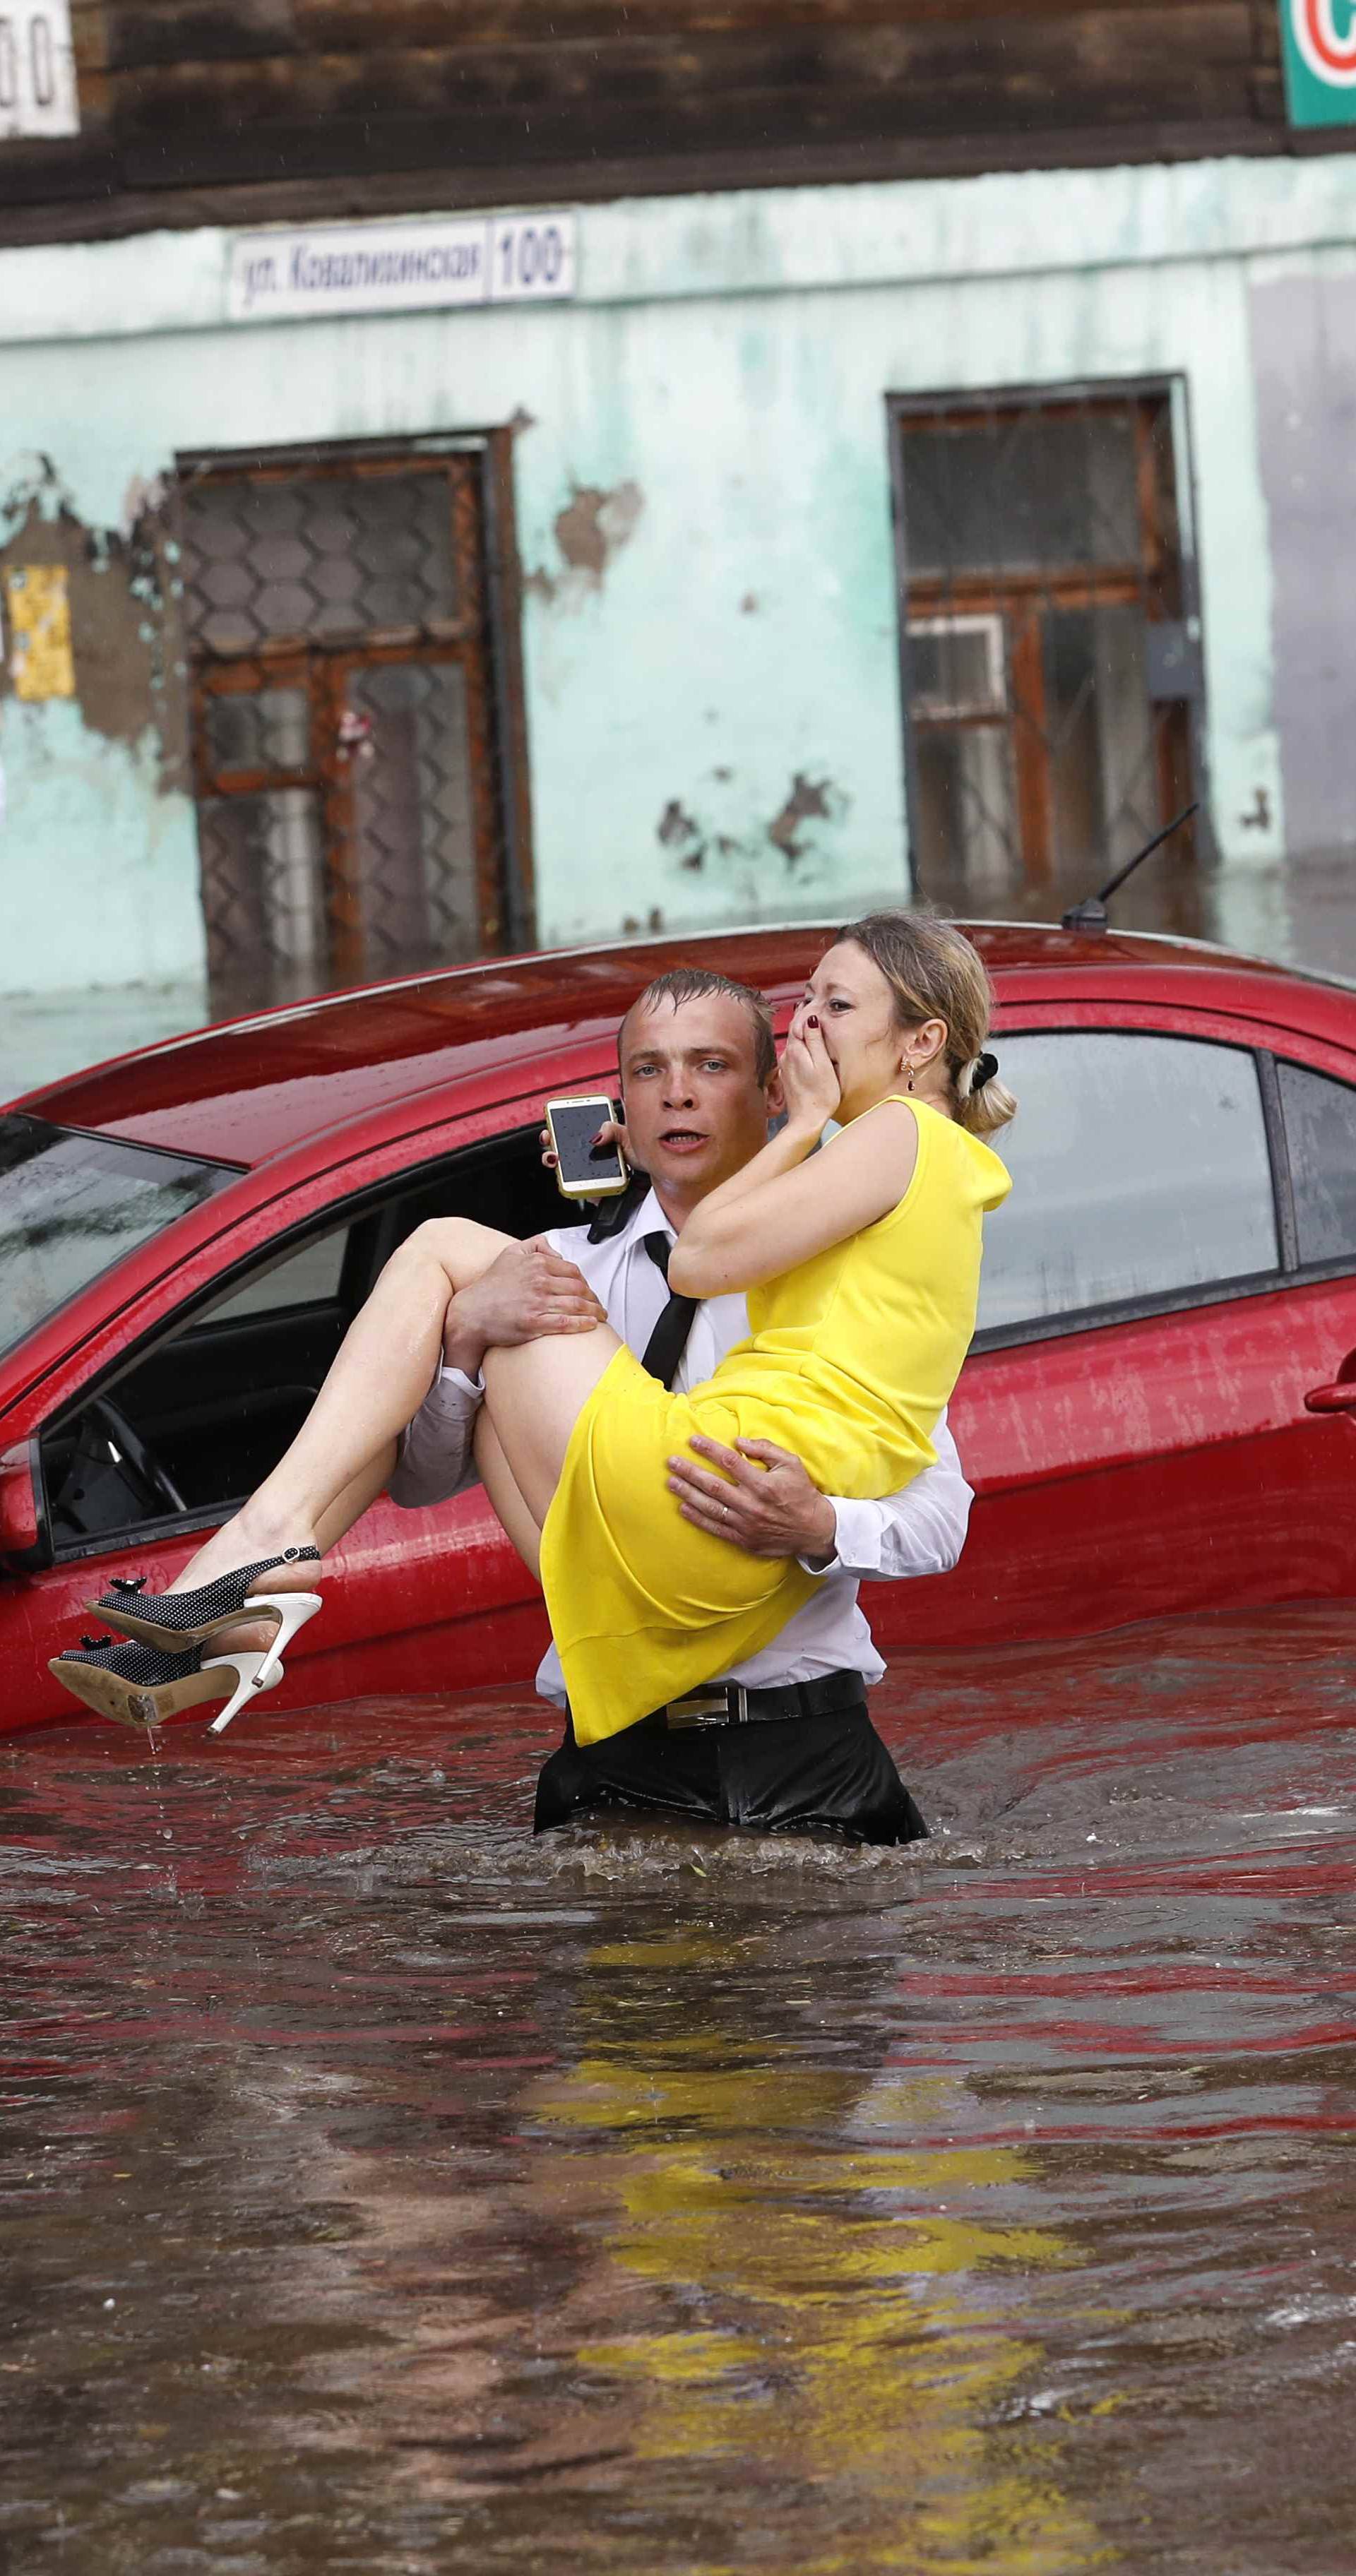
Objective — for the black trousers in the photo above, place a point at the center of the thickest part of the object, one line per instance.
(778, 1775)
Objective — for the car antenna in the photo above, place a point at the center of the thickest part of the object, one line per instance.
(1091, 915)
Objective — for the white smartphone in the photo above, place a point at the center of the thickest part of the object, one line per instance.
(585, 1170)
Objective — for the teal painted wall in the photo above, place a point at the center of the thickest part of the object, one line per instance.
(703, 514)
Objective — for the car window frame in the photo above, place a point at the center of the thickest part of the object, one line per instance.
(1267, 1052)
(1341, 1265)
(359, 1209)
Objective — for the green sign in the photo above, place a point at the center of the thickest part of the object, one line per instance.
(1319, 42)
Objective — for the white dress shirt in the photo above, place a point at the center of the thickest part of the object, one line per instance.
(919, 1531)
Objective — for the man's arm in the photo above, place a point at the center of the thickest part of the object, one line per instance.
(531, 1289)
(760, 1498)
(919, 1531)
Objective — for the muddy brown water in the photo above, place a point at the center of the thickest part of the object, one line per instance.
(382, 2191)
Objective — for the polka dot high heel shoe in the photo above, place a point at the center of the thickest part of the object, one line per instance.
(179, 1619)
(140, 1685)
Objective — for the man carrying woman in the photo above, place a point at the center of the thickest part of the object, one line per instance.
(864, 1267)
(782, 1741)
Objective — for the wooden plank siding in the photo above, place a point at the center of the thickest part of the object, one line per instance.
(240, 111)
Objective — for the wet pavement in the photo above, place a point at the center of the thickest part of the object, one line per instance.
(382, 2191)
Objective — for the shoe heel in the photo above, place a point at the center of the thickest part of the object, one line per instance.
(293, 1610)
(253, 1674)
(262, 1670)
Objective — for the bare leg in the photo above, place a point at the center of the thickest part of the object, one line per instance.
(350, 1505)
(499, 1482)
(377, 1383)
(379, 1379)
(533, 1396)
(332, 1525)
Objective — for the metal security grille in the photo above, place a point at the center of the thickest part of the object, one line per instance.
(1050, 647)
(347, 742)
(330, 557)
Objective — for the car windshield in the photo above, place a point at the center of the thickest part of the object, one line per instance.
(72, 1205)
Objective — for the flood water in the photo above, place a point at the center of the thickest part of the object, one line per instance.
(383, 2191)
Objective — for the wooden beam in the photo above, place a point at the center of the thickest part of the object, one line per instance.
(199, 31)
(1196, 56)
(89, 193)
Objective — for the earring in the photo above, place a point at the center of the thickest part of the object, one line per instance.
(909, 1085)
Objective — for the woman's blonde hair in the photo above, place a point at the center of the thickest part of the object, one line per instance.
(935, 974)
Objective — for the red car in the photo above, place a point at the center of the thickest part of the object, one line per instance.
(1159, 1412)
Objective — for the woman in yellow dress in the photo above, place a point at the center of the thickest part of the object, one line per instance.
(862, 1266)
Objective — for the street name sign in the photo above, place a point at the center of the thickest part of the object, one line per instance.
(399, 267)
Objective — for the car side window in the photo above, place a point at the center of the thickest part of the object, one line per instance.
(1140, 1169)
(311, 1276)
(1320, 1135)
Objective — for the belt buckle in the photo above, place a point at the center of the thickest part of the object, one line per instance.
(710, 1707)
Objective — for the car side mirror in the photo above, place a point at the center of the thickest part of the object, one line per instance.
(18, 1502)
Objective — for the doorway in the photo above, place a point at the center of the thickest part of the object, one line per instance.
(1050, 641)
(357, 731)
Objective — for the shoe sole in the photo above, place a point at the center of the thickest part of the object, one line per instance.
(142, 1707)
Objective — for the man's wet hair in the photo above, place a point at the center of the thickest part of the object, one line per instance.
(693, 984)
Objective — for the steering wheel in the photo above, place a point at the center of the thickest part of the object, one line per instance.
(142, 1461)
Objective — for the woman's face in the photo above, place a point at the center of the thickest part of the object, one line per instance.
(856, 1011)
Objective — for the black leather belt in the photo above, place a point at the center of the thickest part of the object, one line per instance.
(730, 1704)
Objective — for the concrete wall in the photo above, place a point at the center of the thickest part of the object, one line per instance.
(1303, 317)
(704, 520)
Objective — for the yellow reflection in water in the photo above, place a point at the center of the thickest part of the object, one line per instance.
(826, 2309)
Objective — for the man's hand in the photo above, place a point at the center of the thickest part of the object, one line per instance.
(528, 1291)
(760, 1499)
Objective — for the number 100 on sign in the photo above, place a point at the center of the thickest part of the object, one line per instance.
(532, 258)
(37, 74)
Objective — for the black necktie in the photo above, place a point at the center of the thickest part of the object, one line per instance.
(668, 1341)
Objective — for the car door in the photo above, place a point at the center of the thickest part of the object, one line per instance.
(1171, 1283)
(136, 1464)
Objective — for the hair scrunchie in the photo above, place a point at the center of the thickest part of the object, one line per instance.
(985, 1067)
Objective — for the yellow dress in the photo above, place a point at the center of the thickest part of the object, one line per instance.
(851, 1358)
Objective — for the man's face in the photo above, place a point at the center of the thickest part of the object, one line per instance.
(695, 1111)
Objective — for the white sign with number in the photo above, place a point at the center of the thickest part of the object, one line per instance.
(37, 69)
(399, 267)
(533, 255)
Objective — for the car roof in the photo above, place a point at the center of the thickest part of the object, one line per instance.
(251, 1089)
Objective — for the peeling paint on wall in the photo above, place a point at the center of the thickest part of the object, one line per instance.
(122, 624)
(593, 527)
(98, 862)
(678, 833)
(811, 800)
(702, 836)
